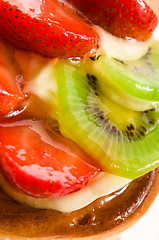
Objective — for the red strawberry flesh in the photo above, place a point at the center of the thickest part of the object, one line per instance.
(129, 18)
(9, 99)
(46, 27)
(41, 165)
(10, 94)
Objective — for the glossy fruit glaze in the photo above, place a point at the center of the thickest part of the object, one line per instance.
(124, 19)
(34, 157)
(103, 218)
(69, 31)
(46, 27)
(42, 165)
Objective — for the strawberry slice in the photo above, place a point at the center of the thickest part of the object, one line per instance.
(129, 18)
(10, 95)
(41, 164)
(46, 27)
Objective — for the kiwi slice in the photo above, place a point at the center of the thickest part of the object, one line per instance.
(123, 141)
(132, 84)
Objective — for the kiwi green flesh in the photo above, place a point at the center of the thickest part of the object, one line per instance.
(138, 79)
(130, 150)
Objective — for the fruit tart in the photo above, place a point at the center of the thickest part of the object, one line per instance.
(79, 117)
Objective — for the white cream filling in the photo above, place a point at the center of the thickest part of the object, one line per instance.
(101, 185)
(122, 49)
(43, 85)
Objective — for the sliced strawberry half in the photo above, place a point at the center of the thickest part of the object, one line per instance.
(40, 164)
(46, 27)
(129, 18)
(10, 95)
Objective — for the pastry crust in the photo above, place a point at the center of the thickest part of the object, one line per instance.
(103, 218)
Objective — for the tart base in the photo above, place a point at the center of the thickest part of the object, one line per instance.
(102, 219)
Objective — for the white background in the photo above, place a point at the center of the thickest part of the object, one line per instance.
(147, 228)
